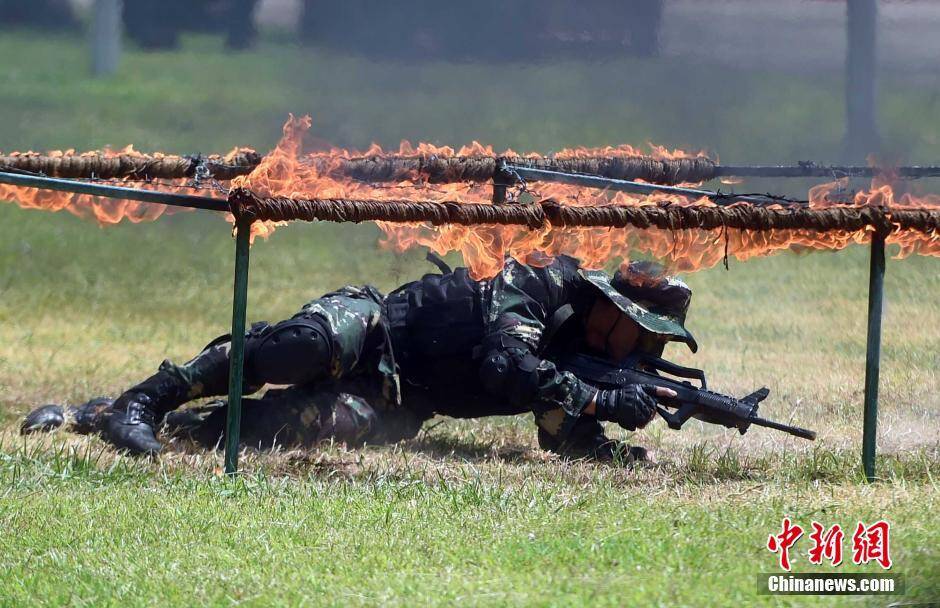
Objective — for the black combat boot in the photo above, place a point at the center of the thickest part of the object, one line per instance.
(89, 417)
(136, 414)
(133, 423)
(43, 419)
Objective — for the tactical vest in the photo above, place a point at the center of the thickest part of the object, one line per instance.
(438, 317)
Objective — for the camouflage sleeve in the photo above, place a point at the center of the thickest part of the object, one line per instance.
(521, 300)
(560, 403)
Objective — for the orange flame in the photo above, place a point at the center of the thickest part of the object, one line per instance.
(287, 172)
(104, 210)
(882, 194)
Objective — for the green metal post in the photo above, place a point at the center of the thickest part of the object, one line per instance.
(237, 353)
(876, 281)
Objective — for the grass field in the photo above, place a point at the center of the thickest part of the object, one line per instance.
(470, 512)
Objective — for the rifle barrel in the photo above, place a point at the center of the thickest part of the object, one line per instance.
(786, 428)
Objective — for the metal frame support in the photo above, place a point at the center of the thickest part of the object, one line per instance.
(511, 173)
(237, 353)
(499, 193)
(501, 181)
(109, 191)
(876, 280)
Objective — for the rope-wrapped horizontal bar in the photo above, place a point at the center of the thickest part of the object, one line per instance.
(244, 203)
(448, 169)
(666, 216)
(131, 165)
(395, 167)
(744, 216)
(377, 168)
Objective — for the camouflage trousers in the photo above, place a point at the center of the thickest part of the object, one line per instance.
(299, 416)
(356, 399)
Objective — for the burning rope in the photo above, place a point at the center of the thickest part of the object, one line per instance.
(375, 169)
(132, 165)
(668, 216)
(744, 216)
(449, 169)
(245, 204)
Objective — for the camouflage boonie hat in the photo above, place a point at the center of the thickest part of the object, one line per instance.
(658, 303)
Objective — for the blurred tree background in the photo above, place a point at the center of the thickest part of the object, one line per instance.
(86, 311)
(755, 81)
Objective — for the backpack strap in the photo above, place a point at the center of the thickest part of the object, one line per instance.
(559, 318)
(439, 262)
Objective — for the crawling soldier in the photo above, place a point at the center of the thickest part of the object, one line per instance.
(362, 367)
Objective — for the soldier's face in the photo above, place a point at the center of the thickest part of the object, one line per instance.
(609, 331)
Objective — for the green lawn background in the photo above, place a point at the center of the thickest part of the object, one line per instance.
(470, 512)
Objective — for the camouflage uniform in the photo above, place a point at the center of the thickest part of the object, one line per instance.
(444, 344)
(351, 400)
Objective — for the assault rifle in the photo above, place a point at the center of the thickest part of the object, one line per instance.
(691, 401)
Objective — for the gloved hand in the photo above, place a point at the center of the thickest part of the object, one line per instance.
(632, 406)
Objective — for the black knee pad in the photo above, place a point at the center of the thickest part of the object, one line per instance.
(295, 351)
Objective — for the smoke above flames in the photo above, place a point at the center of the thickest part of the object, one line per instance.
(289, 171)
